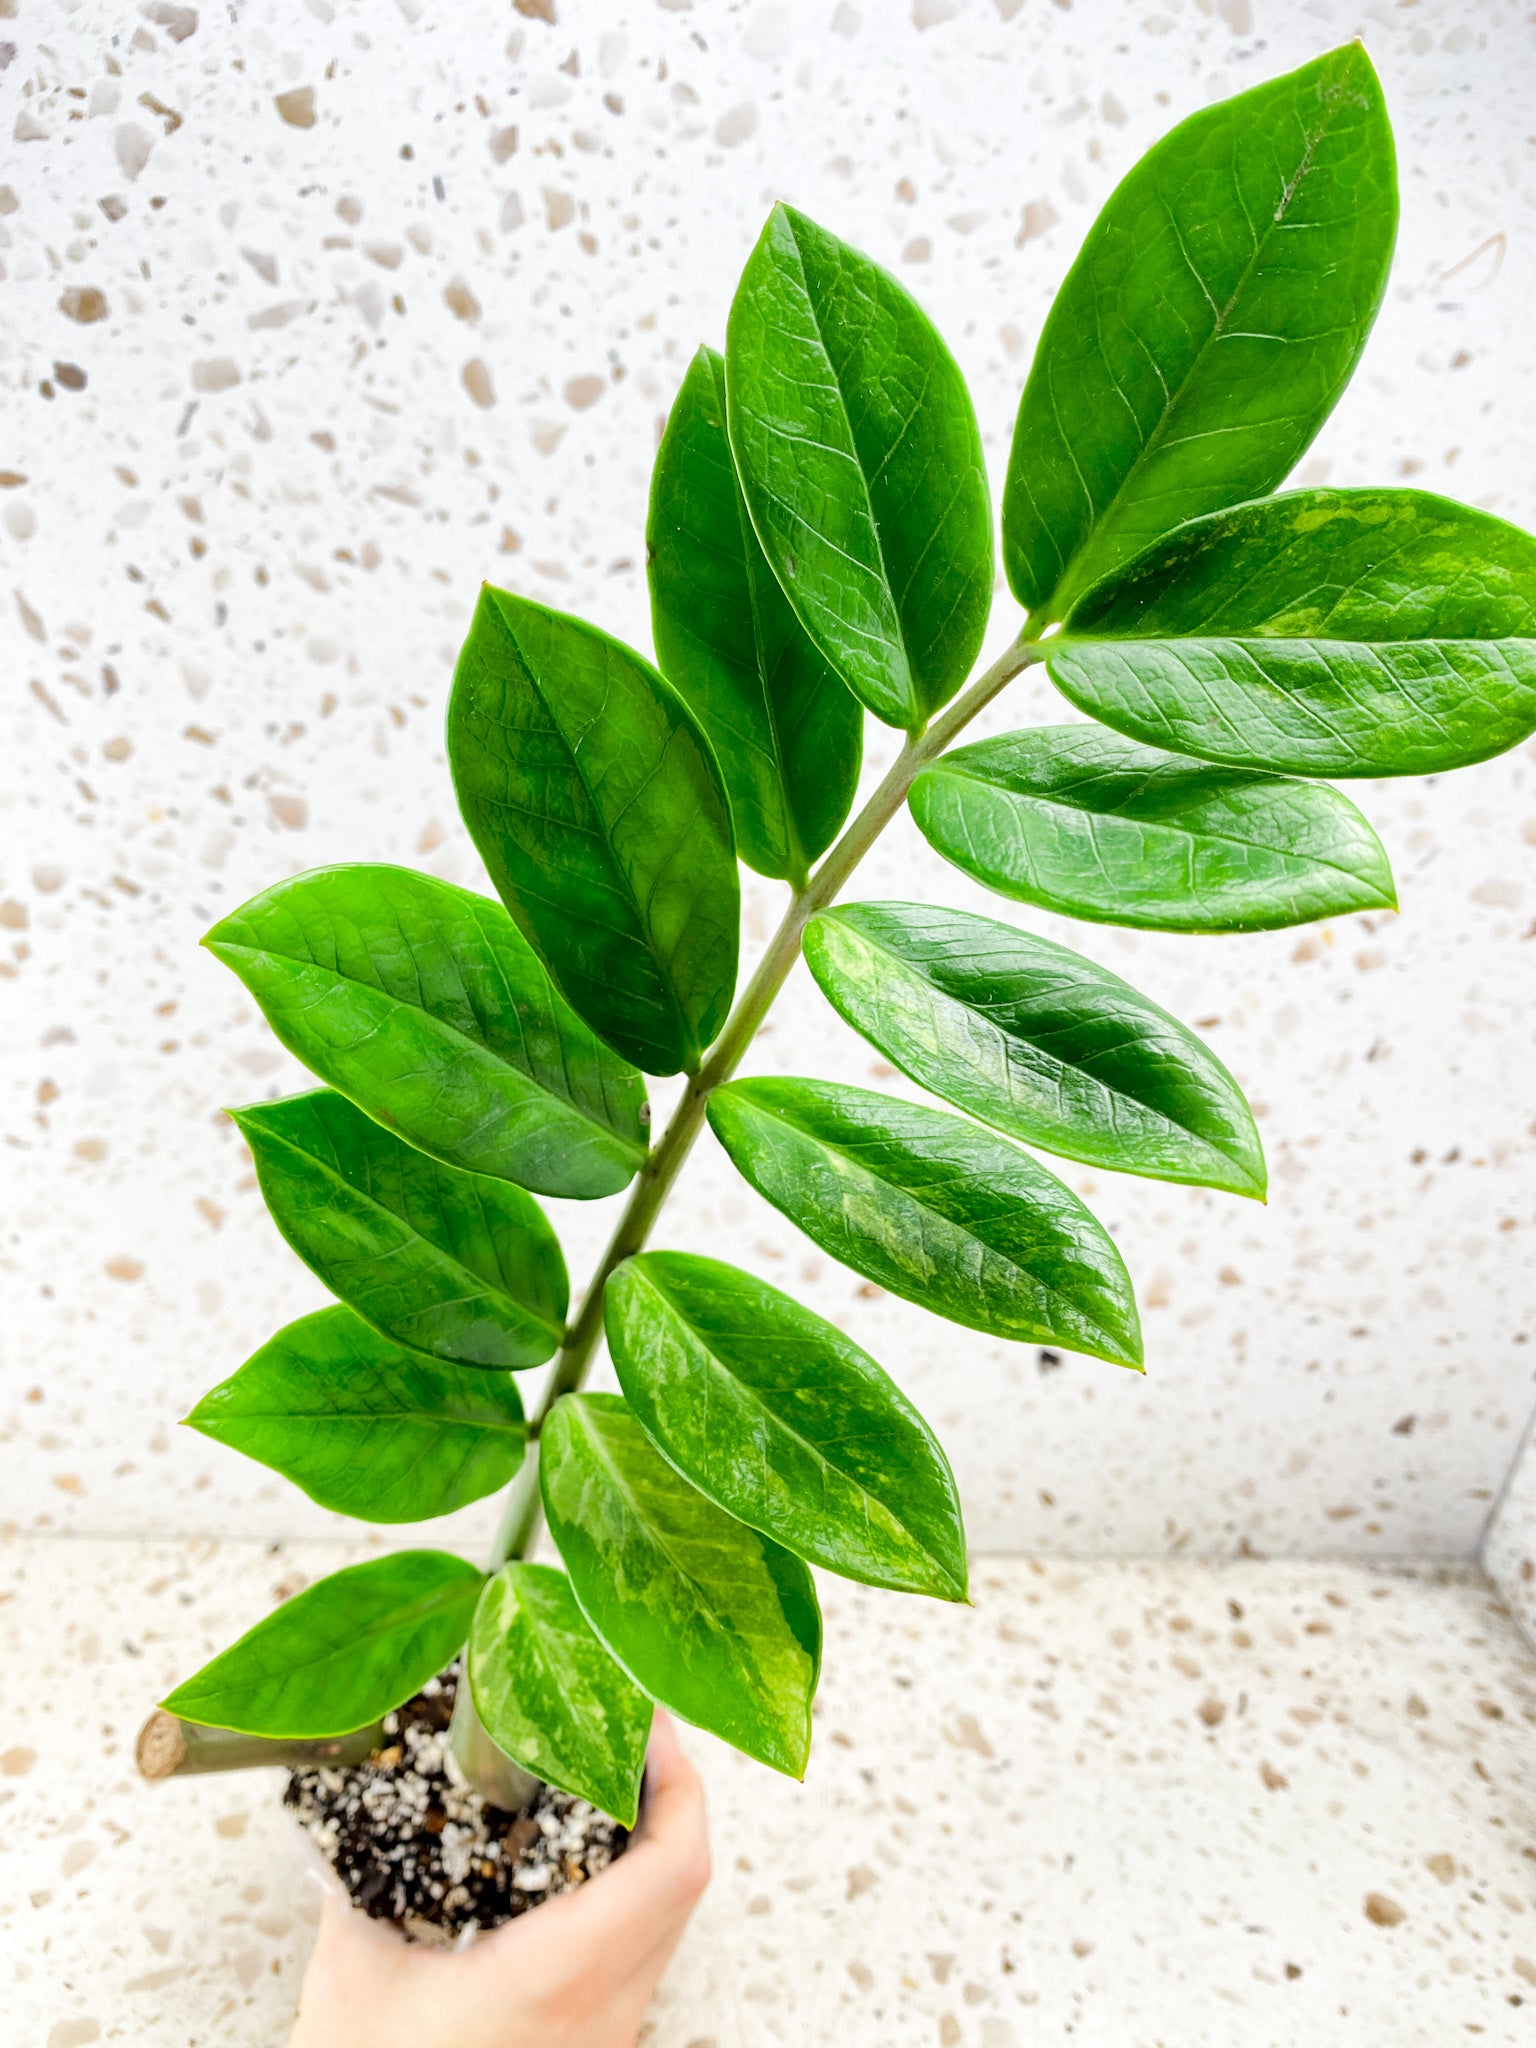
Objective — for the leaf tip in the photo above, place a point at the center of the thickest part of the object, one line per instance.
(1346, 58)
(213, 941)
(954, 1586)
(1127, 1350)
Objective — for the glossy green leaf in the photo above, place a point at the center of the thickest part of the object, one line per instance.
(1369, 632)
(365, 1426)
(785, 1423)
(598, 809)
(1082, 821)
(1036, 1041)
(861, 462)
(938, 1211)
(708, 1616)
(785, 729)
(426, 1006)
(340, 1654)
(1216, 311)
(549, 1694)
(454, 1264)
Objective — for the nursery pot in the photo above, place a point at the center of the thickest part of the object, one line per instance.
(395, 1812)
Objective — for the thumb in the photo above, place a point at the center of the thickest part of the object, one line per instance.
(618, 1917)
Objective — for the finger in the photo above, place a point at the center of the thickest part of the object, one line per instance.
(351, 1939)
(610, 1939)
(652, 1966)
(318, 1869)
(354, 1970)
(616, 1920)
(673, 1815)
(656, 1883)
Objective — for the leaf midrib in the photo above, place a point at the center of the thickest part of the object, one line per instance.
(409, 1418)
(643, 937)
(909, 678)
(1078, 1314)
(1154, 440)
(794, 849)
(598, 1445)
(814, 1451)
(535, 1636)
(397, 1622)
(1170, 1124)
(1148, 825)
(477, 1046)
(479, 1287)
(1255, 637)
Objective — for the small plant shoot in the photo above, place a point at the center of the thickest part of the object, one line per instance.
(821, 547)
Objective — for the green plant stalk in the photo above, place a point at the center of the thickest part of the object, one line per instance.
(496, 1776)
(522, 1515)
(181, 1747)
(169, 1748)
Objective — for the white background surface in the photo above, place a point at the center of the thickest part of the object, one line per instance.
(1509, 1548)
(1139, 1805)
(243, 556)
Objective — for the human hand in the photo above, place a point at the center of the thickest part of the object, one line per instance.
(578, 1972)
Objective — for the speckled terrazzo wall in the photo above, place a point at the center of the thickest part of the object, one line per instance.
(1509, 1549)
(315, 315)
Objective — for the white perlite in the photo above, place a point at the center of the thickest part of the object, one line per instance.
(414, 1843)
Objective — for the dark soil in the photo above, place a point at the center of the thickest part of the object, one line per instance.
(413, 1844)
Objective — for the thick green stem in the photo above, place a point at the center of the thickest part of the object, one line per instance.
(494, 1775)
(169, 1748)
(520, 1523)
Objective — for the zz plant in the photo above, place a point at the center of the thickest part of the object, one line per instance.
(820, 545)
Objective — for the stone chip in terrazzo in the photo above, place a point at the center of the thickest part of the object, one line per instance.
(1116, 1870)
(390, 354)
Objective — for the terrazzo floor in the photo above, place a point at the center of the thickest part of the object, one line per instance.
(1139, 1805)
